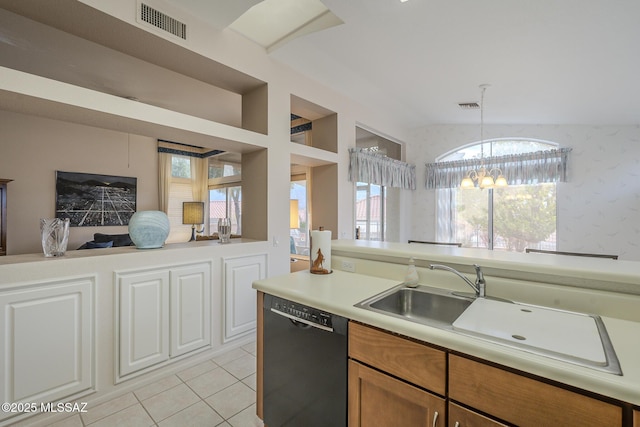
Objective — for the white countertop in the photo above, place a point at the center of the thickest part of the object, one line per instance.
(584, 272)
(338, 292)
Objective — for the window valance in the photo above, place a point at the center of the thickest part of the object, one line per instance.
(180, 149)
(527, 168)
(379, 169)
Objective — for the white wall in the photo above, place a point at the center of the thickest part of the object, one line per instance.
(599, 206)
(32, 149)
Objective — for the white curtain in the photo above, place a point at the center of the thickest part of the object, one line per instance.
(164, 180)
(199, 179)
(379, 169)
(528, 168)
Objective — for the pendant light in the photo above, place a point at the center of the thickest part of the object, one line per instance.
(485, 179)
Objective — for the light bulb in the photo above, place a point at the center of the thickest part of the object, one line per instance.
(487, 182)
(467, 182)
(501, 181)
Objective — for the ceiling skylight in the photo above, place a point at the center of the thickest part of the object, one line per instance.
(272, 23)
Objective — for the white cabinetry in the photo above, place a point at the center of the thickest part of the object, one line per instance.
(239, 296)
(144, 319)
(190, 308)
(162, 314)
(47, 335)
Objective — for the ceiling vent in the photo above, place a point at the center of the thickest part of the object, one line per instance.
(469, 105)
(162, 21)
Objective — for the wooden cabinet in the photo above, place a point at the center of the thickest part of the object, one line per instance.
(239, 295)
(399, 381)
(3, 216)
(393, 393)
(636, 418)
(162, 314)
(524, 401)
(463, 417)
(46, 331)
(377, 399)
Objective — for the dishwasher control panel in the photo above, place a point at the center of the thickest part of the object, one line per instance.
(302, 312)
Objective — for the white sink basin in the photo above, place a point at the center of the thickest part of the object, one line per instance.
(574, 337)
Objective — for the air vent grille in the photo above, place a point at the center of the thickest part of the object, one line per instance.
(469, 105)
(163, 21)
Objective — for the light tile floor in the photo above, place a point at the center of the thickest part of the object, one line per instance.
(218, 392)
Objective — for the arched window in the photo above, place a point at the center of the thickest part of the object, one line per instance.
(522, 215)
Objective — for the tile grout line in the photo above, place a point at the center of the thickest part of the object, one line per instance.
(183, 382)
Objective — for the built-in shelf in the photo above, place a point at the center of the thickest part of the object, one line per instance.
(77, 64)
(315, 145)
(115, 58)
(313, 125)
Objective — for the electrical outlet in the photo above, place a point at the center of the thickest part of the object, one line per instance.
(349, 266)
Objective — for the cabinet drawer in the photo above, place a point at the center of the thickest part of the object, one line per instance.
(525, 401)
(416, 363)
(462, 417)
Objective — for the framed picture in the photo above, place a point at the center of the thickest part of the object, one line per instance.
(90, 200)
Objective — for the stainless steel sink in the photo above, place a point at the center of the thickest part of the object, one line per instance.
(422, 304)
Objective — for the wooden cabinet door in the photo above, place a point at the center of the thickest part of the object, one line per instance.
(462, 417)
(525, 401)
(190, 308)
(636, 418)
(47, 340)
(378, 400)
(144, 319)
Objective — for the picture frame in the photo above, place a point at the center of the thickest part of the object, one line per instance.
(93, 200)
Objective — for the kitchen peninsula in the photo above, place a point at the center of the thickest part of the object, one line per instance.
(608, 288)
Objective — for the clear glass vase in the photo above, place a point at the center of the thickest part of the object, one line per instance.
(55, 236)
(224, 230)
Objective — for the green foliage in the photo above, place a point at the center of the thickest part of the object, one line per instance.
(525, 215)
(522, 216)
(180, 167)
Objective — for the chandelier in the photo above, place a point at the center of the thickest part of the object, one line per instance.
(491, 178)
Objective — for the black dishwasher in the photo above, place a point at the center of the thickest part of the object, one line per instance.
(305, 365)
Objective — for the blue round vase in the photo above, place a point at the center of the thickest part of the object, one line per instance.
(149, 229)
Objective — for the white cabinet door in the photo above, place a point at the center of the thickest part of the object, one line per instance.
(47, 340)
(239, 296)
(144, 319)
(190, 308)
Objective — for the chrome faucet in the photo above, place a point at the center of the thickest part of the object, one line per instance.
(480, 286)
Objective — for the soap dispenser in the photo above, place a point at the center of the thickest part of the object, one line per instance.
(411, 278)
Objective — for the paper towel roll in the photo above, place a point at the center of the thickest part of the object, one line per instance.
(320, 255)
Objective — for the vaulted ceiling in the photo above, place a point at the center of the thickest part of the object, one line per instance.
(547, 61)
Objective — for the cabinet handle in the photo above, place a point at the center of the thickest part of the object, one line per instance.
(457, 424)
(435, 418)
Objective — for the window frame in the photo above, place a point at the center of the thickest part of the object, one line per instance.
(490, 191)
(305, 176)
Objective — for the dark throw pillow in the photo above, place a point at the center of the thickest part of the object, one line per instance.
(117, 239)
(96, 245)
